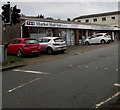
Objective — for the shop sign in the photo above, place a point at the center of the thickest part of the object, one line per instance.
(55, 25)
(44, 24)
(96, 27)
(68, 26)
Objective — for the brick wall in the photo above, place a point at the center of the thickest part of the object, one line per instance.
(13, 31)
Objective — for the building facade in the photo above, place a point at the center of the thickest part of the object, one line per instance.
(109, 19)
(71, 32)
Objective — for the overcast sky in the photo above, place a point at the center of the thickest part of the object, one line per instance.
(63, 8)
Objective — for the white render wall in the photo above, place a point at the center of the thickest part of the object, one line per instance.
(109, 21)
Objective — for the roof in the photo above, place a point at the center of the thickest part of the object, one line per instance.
(32, 18)
(97, 15)
(44, 19)
(19, 38)
(49, 37)
(73, 24)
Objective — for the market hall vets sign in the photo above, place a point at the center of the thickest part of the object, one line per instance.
(44, 24)
(55, 25)
(62, 25)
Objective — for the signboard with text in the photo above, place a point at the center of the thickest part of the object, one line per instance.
(55, 25)
(30, 23)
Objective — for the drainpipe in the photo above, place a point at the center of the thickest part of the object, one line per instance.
(86, 34)
(21, 34)
(113, 36)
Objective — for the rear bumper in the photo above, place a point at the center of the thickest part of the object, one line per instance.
(108, 41)
(60, 48)
(30, 51)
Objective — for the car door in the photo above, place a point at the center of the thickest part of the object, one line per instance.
(98, 38)
(92, 39)
(12, 46)
(44, 43)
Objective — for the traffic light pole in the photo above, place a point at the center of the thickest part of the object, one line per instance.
(9, 16)
(4, 45)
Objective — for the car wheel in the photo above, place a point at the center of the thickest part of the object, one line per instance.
(86, 43)
(19, 53)
(49, 51)
(102, 41)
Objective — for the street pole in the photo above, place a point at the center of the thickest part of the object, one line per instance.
(5, 48)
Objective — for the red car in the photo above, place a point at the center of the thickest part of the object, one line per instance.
(21, 46)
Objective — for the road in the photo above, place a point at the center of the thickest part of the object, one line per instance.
(87, 80)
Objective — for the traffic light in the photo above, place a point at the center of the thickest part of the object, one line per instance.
(6, 14)
(15, 15)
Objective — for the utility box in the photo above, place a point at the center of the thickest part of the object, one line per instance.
(3, 54)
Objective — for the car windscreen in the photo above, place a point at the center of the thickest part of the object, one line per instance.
(31, 41)
(58, 40)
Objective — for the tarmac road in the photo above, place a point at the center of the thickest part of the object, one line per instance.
(83, 79)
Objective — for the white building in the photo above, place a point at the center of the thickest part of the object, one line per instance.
(109, 19)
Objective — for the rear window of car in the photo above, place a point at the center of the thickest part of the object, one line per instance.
(99, 35)
(58, 40)
(30, 41)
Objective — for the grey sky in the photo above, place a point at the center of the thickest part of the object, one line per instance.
(63, 10)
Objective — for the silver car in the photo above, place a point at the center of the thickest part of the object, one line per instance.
(52, 44)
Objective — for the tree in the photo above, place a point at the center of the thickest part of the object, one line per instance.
(41, 16)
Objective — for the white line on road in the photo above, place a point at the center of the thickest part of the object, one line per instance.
(105, 101)
(20, 86)
(29, 71)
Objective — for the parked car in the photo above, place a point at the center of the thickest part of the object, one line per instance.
(52, 44)
(98, 38)
(21, 46)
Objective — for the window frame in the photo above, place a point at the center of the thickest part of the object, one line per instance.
(94, 19)
(104, 19)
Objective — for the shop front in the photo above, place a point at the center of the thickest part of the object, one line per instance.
(72, 33)
(38, 29)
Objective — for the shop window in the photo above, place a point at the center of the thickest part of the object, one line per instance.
(33, 30)
(49, 32)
